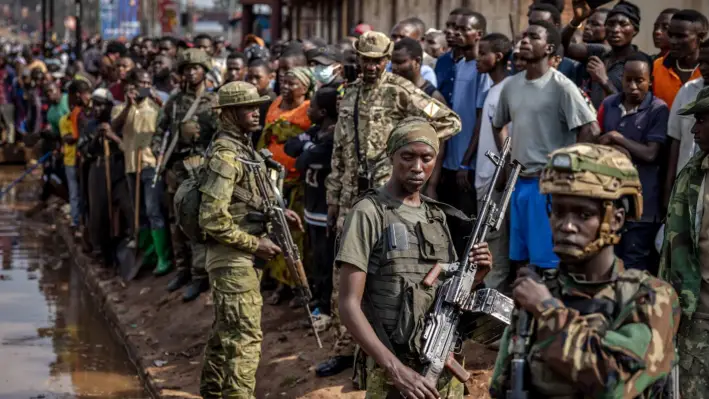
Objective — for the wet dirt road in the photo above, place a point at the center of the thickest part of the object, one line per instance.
(53, 341)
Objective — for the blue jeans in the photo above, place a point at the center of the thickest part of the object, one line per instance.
(150, 198)
(530, 230)
(72, 182)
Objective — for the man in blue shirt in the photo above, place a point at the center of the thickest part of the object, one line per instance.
(636, 122)
(407, 28)
(445, 66)
(469, 95)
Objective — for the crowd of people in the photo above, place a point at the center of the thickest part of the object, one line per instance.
(383, 138)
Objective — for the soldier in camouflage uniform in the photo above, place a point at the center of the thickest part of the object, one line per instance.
(391, 240)
(684, 261)
(230, 199)
(190, 119)
(371, 108)
(604, 332)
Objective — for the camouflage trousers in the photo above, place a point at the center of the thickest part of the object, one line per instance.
(344, 344)
(233, 351)
(189, 256)
(693, 346)
(380, 386)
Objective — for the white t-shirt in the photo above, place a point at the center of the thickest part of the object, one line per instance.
(484, 169)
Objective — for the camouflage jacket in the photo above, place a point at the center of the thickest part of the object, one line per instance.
(194, 134)
(611, 339)
(679, 259)
(381, 107)
(230, 194)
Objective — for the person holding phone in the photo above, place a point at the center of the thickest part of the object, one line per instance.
(135, 121)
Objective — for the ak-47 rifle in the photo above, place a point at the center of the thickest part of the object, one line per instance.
(165, 152)
(279, 231)
(519, 359)
(455, 295)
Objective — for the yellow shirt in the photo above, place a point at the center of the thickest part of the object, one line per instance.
(65, 129)
(138, 130)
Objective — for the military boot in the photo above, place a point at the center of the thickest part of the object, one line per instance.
(195, 288)
(162, 250)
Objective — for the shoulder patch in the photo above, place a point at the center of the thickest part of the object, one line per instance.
(431, 109)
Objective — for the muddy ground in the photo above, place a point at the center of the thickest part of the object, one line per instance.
(166, 339)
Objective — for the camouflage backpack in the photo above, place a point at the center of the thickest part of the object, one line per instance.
(188, 199)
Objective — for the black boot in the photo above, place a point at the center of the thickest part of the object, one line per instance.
(195, 288)
(334, 365)
(182, 277)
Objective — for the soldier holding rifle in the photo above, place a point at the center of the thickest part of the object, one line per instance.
(391, 239)
(231, 215)
(601, 331)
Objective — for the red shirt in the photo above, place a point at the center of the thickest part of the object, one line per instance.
(116, 90)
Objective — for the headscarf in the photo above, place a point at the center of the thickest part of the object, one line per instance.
(305, 77)
(628, 9)
(412, 130)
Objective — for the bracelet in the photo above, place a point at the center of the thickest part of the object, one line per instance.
(465, 167)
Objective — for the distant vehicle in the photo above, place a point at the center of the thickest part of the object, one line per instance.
(209, 27)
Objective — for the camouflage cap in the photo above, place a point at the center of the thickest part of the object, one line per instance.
(194, 56)
(699, 106)
(234, 94)
(595, 171)
(374, 45)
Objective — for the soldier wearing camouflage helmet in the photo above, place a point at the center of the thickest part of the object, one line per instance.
(602, 331)
(189, 118)
(230, 201)
(684, 260)
(369, 110)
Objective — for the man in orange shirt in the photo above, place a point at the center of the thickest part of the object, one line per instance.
(688, 28)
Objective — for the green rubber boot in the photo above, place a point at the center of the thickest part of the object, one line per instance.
(162, 249)
(147, 246)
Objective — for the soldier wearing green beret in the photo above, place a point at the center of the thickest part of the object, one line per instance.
(391, 239)
(191, 121)
(684, 260)
(228, 214)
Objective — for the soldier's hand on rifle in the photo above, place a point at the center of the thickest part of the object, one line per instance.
(411, 384)
(293, 219)
(267, 249)
(529, 292)
(481, 255)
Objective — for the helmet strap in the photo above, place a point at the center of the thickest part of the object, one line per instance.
(605, 236)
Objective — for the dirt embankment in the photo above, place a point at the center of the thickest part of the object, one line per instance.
(165, 338)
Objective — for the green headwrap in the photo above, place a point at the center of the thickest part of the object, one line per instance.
(412, 130)
(305, 77)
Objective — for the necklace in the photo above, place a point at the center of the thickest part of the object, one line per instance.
(685, 70)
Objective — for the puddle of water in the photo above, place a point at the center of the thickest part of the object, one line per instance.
(53, 341)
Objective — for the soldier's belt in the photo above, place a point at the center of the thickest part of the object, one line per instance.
(493, 311)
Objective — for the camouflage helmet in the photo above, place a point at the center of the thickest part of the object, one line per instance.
(594, 171)
(239, 93)
(194, 56)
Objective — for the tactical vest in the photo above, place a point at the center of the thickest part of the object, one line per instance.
(629, 288)
(395, 290)
(246, 208)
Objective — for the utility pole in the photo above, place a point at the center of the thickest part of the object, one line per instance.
(78, 11)
(44, 27)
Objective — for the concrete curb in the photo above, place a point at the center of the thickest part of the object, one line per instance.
(91, 276)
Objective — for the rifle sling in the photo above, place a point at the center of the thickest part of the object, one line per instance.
(362, 159)
(176, 135)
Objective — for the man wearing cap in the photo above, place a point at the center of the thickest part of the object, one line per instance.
(373, 265)
(369, 111)
(684, 261)
(230, 198)
(597, 330)
(327, 68)
(189, 118)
